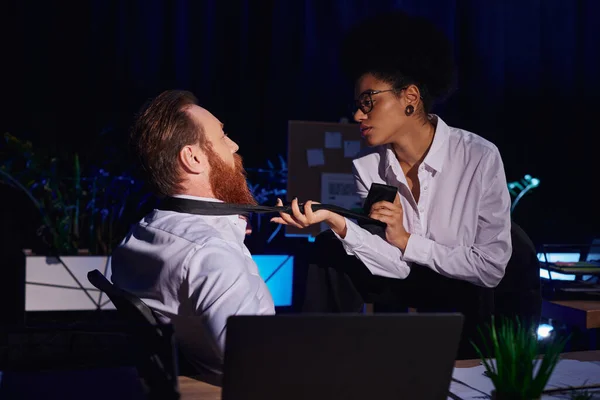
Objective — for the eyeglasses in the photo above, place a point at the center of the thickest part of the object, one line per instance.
(365, 100)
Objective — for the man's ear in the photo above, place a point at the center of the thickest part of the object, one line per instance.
(193, 159)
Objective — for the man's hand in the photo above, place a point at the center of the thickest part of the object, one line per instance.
(392, 214)
(336, 222)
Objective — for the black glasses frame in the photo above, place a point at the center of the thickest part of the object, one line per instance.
(364, 102)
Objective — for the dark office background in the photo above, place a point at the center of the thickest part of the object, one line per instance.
(73, 74)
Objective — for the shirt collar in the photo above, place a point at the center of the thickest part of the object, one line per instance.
(237, 220)
(187, 196)
(436, 155)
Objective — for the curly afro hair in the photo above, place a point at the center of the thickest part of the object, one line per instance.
(401, 49)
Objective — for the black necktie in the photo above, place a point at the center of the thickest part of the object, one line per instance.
(201, 207)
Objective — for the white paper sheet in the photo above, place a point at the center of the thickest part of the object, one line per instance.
(470, 383)
(568, 373)
(339, 190)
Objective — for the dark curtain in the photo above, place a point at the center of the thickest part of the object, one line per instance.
(74, 74)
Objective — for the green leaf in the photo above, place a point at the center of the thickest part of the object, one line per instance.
(516, 351)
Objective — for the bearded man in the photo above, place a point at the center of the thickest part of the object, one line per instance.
(193, 271)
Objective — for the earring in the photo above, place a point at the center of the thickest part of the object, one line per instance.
(409, 110)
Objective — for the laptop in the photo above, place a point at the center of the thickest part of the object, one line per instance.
(340, 356)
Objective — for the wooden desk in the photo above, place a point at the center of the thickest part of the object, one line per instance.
(191, 389)
(195, 390)
(584, 314)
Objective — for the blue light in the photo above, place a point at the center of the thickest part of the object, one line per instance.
(308, 236)
(563, 257)
(556, 276)
(544, 331)
(518, 189)
(555, 257)
(278, 273)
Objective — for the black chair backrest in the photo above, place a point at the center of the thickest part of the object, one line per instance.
(130, 306)
(157, 358)
(519, 293)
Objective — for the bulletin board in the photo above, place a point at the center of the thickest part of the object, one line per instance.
(320, 158)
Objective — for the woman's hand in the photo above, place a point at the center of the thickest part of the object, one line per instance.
(335, 221)
(392, 214)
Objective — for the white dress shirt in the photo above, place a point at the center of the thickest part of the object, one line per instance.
(460, 227)
(193, 271)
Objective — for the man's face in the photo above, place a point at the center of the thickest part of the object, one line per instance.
(215, 136)
(227, 176)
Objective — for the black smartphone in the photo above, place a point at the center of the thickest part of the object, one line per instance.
(379, 192)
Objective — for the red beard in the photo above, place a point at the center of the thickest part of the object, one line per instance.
(229, 184)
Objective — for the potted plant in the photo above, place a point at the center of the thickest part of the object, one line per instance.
(83, 206)
(519, 369)
(85, 210)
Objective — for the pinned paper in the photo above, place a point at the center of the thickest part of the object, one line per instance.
(339, 190)
(315, 157)
(333, 140)
(351, 148)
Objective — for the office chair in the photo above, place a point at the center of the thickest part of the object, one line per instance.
(157, 360)
(519, 293)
